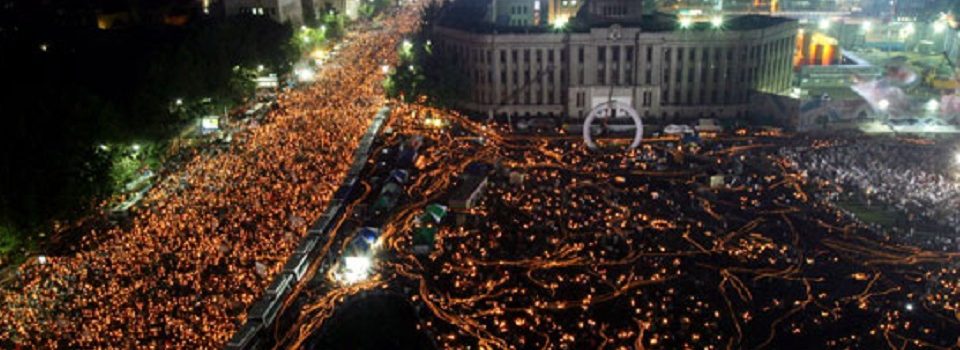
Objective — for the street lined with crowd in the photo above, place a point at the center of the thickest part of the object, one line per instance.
(210, 237)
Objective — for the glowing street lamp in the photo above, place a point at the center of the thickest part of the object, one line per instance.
(356, 268)
(939, 27)
(909, 29)
(824, 24)
(561, 22)
(716, 21)
(883, 104)
(305, 74)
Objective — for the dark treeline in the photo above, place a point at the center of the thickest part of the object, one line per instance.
(70, 90)
(424, 72)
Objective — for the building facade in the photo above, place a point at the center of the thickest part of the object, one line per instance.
(668, 74)
(282, 11)
(349, 8)
(561, 11)
(518, 13)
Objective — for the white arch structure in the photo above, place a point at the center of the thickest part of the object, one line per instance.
(608, 107)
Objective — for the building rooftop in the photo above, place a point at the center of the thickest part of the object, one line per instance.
(469, 17)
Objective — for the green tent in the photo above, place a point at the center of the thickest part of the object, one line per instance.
(434, 213)
(424, 236)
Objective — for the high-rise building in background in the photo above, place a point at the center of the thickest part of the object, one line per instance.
(349, 8)
(283, 11)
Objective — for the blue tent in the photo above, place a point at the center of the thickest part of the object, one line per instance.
(369, 235)
(399, 176)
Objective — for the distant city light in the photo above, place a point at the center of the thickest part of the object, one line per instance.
(305, 74)
(210, 123)
(686, 22)
(939, 27)
(717, 21)
(561, 22)
(883, 104)
(318, 54)
(824, 24)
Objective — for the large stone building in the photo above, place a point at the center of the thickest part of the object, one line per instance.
(283, 11)
(664, 69)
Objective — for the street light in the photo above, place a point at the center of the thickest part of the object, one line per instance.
(717, 21)
(824, 24)
(883, 105)
(561, 22)
(356, 268)
(939, 27)
(304, 74)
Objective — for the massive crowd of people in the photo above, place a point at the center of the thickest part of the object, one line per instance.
(209, 238)
(916, 179)
(572, 249)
